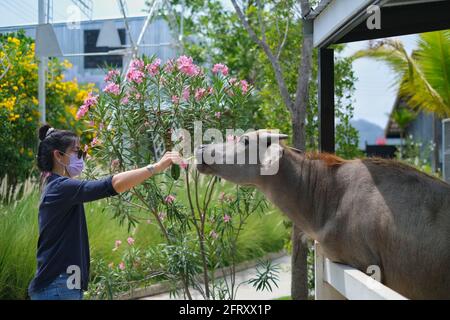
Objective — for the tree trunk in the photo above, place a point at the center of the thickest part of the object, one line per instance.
(299, 272)
(299, 264)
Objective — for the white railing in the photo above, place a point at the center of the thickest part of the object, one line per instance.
(334, 281)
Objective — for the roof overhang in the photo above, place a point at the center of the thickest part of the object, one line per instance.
(341, 21)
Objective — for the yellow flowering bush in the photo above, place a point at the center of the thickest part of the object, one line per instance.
(19, 107)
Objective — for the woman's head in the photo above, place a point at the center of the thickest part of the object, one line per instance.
(58, 150)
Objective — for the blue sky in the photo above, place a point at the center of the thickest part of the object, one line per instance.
(374, 95)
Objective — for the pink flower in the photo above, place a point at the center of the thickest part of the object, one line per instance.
(219, 67)
(122, 266)
(218, 115)
(86, 147)
(226, 218)
(153, 68)
(186, 66)
(186, 94)
(135, 75)
(162, 215)
(231, 138)
(111, 74)
(213, 234)
(130, 241)
(169, 199)
(115, 163)
(169, 66)
(183, 164)
(244, 85)
(117, 245)
(94, 142)
(175, 99)
(210, 90)
(233, 81)
(126, 99)
(200, 93)
(89, 102)
(82, 111)
(137, 64)
(112, 88)
(92, 123)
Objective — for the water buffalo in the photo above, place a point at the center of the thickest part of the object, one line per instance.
(363, 212)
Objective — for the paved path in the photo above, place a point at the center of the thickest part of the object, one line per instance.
(246, 291)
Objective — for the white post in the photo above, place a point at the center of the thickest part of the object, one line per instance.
(41, 67)
(323, 290)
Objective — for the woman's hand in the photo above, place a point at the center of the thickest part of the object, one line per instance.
(169, 158)
(126, 180)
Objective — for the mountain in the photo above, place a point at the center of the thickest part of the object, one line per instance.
(368, 132)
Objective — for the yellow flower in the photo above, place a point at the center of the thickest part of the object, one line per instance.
(66, 64)
(13, 117)
(35, 100)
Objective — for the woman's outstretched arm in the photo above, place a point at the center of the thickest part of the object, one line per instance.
(124, 181)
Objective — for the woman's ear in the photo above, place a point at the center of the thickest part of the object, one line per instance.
(58, 155)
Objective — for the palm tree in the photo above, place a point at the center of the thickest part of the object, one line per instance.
(424, 76)
(402, 117)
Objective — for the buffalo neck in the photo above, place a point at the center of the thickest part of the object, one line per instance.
(300, 189)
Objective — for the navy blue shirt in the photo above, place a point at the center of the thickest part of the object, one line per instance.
(63, 237)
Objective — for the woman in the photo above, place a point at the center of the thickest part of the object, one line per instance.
(63, 247)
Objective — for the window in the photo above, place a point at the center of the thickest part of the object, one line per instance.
(94, 62)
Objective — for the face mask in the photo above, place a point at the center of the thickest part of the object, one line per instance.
(75, 166)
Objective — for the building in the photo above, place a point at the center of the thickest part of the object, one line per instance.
(425, 128)
(76, 40)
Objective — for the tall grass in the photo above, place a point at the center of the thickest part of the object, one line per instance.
(263, 233)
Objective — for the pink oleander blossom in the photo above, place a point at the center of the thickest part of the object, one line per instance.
(213, 234)
(186, 94)
(162, 215)
(135, 75)
(183, 165)
(218, 115)
(226, 218)
(89, 102)
(169, 66)
(175, 99)
(200, 93)
(117, 244)
(244, 86)
(153, 68)
(130, 241)
(231, 138)
(94, 142)
(122, 266)
(137, 64)
(219, 67)
(169, 199)
(186, 66)
(112, 88)
(111, 75)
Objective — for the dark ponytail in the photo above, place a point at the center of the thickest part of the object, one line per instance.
(52, 139)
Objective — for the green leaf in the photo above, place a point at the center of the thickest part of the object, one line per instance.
(175, 171)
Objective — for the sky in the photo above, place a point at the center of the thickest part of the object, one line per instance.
(375, 91)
